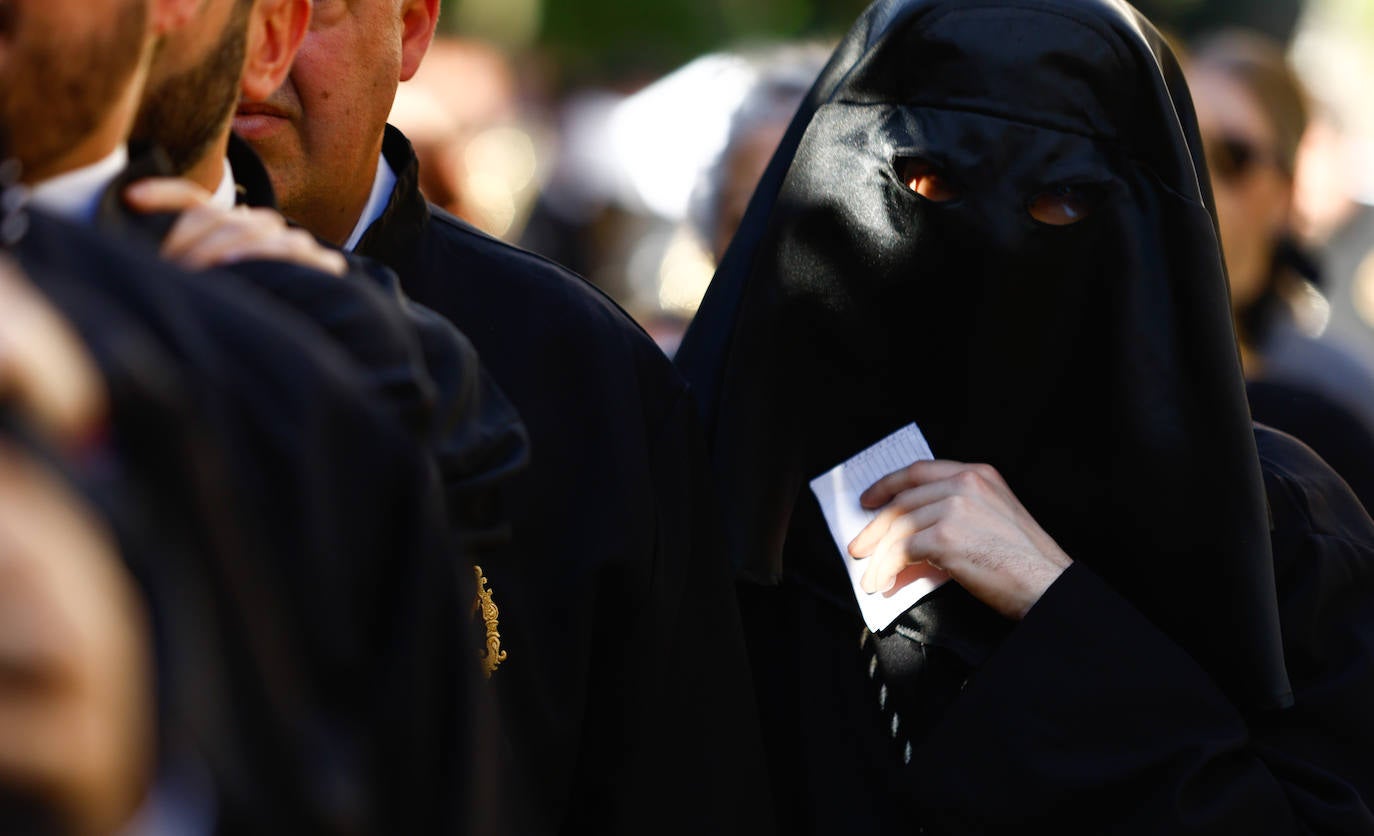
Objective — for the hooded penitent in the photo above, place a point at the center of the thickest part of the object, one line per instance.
(1058, 310)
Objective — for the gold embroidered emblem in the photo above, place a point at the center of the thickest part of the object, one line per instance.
(492, 655)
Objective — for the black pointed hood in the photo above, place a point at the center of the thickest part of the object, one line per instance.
(1093, 364)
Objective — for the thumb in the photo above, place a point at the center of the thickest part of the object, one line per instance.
(165, 194)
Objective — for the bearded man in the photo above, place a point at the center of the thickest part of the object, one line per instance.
(305, 643)
(415, 362)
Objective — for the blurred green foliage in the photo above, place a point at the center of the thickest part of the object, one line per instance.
(609, 40)
(1358, 13)
(1190, 18)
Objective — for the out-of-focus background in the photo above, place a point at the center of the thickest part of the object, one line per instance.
(594, 131)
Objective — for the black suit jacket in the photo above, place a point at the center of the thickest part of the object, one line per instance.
(627, 685)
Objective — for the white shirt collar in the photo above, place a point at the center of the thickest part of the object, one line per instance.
(382, 186)
(76, 194)
(226, 193)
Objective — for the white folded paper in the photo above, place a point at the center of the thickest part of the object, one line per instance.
(838, 492)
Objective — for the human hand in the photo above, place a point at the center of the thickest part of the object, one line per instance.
(964, 520)
(76, 693)
(206, 236)
(45, 371)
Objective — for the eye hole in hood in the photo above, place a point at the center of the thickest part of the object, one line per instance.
(1065, 204)
(927, 179)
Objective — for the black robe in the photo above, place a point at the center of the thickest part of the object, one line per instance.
(291, 540)
(1200, 667)
(1087, 718)
(626, 687)
(1329, 427)
(414, 361)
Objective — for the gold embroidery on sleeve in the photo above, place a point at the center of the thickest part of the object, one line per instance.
(492, 656)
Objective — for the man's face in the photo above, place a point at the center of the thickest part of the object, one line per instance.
(193, 85)
(65, 64)
(322, 129)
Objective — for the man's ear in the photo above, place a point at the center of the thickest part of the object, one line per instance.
(276, 29)
(167, 16)
(418, 20)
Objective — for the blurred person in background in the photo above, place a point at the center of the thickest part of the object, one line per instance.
(783, 77)
(626, 686)
(648, 233)
(658, 265)
(77, 728)
(77, 694)
(1337, 212)
(1253, 114)
(474, 141)
(437, 137)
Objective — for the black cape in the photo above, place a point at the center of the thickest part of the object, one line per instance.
(291, 539)
(414, 361)
(626, 685)
(1093, 364)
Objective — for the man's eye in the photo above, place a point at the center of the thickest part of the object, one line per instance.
(1065, 205)
(927, 179)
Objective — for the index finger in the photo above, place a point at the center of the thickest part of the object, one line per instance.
(911, 476)
(165, 194)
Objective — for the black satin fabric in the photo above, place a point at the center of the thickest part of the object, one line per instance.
(1094, 365)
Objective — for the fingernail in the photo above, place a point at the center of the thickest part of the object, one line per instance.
(890, 585)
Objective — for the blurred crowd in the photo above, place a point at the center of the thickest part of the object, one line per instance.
(582, 177)
(584, 182)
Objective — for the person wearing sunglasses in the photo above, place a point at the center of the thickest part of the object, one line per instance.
(1253, 112)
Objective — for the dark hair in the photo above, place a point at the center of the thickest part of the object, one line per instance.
(1260, 65)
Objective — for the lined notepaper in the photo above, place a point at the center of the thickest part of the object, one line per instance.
(838, 492)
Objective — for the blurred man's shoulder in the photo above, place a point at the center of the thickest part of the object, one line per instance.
(1305, 496)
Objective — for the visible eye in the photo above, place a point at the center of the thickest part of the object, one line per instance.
(927, 179)
(1065, 205)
